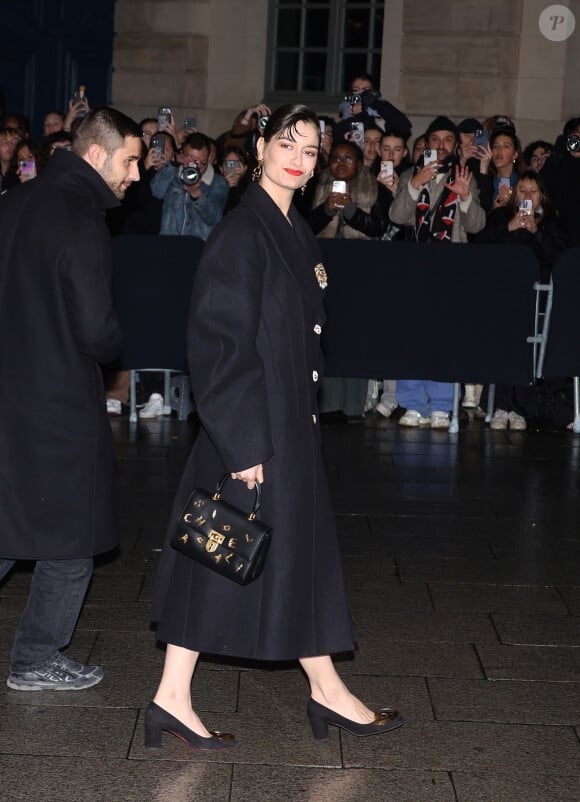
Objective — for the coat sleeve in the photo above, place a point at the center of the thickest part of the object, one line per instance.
(226, 368)
(402, 209)
(88, 296)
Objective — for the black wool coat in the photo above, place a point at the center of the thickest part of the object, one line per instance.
(56, 325)
(255, 363)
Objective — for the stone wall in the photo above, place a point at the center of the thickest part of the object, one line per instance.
(464, 58)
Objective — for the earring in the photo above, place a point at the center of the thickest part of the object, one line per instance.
(303, 188)
(257, 171)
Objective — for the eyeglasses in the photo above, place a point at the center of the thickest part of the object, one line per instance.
(348, 159)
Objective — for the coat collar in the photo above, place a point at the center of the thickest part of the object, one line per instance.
(296, 244)
(68, 170)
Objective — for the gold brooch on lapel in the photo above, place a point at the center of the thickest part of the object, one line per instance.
(321, 277)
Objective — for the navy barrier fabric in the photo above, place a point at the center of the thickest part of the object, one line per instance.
(442, 312)
(563, 350)
(395, 310)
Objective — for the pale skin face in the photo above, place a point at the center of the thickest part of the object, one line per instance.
(538, 158)
(504, 155)
(420, 146)
(443, 142)
(119, 169)
(372, 141)
(358, 86)
(393, 149)
(8, 144)
(526, 189)
(148, 131)
(52, 124)
(289, 160)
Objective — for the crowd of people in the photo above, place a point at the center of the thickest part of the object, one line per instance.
(470, 181)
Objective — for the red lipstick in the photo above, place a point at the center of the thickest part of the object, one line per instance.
(293, 172)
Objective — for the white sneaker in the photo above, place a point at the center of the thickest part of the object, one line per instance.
(469, 401)
(113, 406)
(386, 408)
(517, 422)
(440, 420)
(499, 422)
(153, 408)
(413, 418)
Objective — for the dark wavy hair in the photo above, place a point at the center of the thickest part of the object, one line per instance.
(283, 121)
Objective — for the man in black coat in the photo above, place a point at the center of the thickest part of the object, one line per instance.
(57, 324)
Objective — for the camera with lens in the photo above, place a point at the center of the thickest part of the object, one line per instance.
(573, 143)
(262, 123)
(353, 100)
(189, 174)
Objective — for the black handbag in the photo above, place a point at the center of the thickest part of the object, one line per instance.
(220, 536)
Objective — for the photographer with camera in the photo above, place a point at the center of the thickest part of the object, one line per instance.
(193, 194)
(363, 104)
(561, 175)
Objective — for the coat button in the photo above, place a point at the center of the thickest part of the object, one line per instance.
(318, 329)
(315, 375)
(314, 419)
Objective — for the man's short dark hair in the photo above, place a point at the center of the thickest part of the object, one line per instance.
(106, 127)
(196, 141)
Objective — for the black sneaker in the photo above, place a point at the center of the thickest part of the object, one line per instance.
(60, 673)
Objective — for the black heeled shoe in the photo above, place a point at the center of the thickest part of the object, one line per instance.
(320, 717)
(157, 720)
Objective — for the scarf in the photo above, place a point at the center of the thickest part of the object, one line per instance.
(435, 223)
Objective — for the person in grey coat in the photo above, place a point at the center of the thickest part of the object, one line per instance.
(56, 325)
(254, 336)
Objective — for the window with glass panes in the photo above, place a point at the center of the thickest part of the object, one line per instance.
(316, 46)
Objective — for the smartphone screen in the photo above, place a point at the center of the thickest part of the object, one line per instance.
(429, 156)
(387, 168)
(231, 165)
(339, 186)
(481, 138)
(163, 118)
(27, 170)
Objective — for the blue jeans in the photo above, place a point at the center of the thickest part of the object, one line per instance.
(57, 592)
(425, 396)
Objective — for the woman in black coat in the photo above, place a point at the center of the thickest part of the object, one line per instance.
(254, 353)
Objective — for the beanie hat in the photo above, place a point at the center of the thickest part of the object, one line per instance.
(469, 126)
(442, 124)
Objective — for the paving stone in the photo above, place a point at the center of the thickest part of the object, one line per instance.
(538, 663)
(496, 598)
(272, 784)
(79, 731)
(508, 702)
(100, 616)
(119, 647)
(538, 630)
(380, 656)
(516, 786)
(31, 778)
(571, 597)
(452, 746)
(508, 571)
(431, 627)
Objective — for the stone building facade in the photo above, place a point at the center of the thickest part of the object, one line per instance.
(207, 58)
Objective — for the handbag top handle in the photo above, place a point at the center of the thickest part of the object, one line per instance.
(257, 487)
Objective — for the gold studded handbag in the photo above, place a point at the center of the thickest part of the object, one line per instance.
(222, 537)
